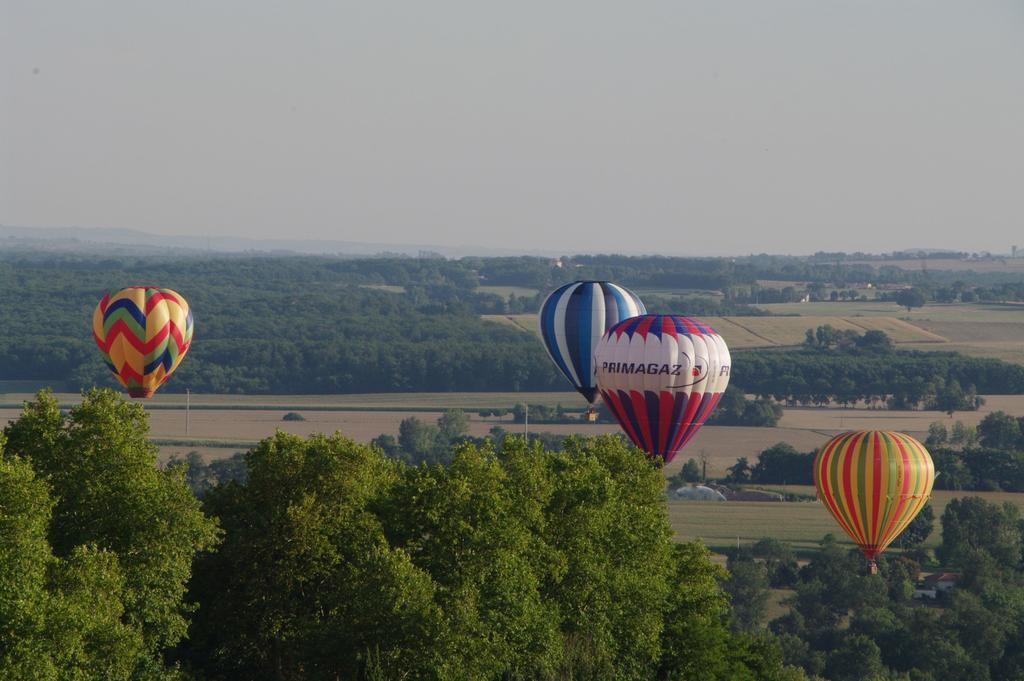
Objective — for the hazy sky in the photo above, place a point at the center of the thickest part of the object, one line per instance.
(670, 127)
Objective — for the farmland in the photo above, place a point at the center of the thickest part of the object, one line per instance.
(981, 330)
(758, 332)
(506, 291)
(721, 524)
(247, 419)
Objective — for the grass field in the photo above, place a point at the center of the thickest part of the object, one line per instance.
(838, 419)
(932, 312)
(980, 330)
(384, 287)
(788, 331)
(523, 322)
(758, 332)
(506, 291)
(363, 401)
(362, 417)
(722, 524)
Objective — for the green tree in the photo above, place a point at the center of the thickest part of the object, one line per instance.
(120, 535)
(747, 586)
(740, 471)
(387, 444)
(963, 436)
(691, 471)
(453, 424)
(62, 616)
(910, 298)
(857, 659)
(919, 529)
(520, 563)
(937, 434)
(417, 441)
(779, 560)
(876, 341)
(329, 590)
(999, 430)
(973, 527)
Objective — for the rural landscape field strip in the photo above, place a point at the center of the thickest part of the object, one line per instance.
(341, 402)
(803, 524)
(760, 332)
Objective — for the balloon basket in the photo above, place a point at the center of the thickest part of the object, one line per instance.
(872, 567)
(591, 415)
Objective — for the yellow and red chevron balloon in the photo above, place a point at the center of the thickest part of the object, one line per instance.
(873, 483)
(143, 333)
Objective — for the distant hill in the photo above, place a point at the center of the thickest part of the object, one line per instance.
(84, 240)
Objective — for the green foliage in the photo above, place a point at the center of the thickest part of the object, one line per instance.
(201, 476)
(911, 298)
(734, 409)
(690, 472)
(93, 561)
(747, 586)
(999, 430)
(540, 413)
(739, 472)
(973, 528)
(900, 379)
(978, 469)
(781, 464)
(949, 397)
(919, 529)
(779, 561)
(937, 434)
(419, 442)
(515, 563)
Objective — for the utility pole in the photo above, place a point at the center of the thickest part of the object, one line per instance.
(188, 404)
(526, 422)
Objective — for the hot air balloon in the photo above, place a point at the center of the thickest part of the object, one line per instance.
(572, 320)
(143, 333)
(661, 376)
(873, 483)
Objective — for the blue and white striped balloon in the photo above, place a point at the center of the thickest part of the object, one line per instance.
(573, 319)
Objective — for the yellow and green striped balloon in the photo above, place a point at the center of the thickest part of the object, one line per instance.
(873, 483)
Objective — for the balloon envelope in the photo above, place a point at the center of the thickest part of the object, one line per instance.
(572, 320)
(661, 376)
(873, 483)
(143, 333)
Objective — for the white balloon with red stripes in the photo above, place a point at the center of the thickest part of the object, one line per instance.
(661, 376)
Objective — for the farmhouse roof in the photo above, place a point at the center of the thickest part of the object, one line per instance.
(941, 577)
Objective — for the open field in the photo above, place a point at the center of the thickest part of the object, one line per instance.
(786, 331)
(758, 332)
(523, 322)
(932, 312)
(979, 330)
(506, 291)
(362, 417)
(719, 524)
(839, 419)
(722, 445)
(352, 402)
(389, 288)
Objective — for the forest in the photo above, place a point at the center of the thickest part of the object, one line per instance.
(287, 325)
